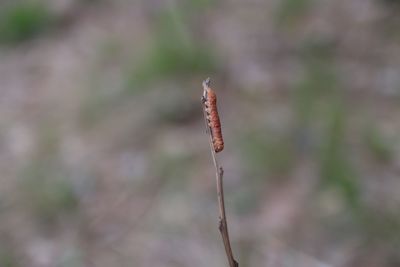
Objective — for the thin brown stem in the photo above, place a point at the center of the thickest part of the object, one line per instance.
(219, 173)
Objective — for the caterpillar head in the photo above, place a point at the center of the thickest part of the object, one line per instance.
(218, 147)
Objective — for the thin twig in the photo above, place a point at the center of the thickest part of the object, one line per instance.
(219, 173)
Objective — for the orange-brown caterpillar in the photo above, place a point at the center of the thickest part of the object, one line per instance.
(210, 101)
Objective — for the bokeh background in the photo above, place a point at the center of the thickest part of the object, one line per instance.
(103, 153)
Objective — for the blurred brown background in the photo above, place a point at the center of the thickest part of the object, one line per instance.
(103, 153)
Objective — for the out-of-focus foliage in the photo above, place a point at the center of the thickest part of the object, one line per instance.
(267, 153)
(336, 168)
(22, 21)
(174, 51)
(378, 145)
(289, 10)
(7, 258)
(48, 194)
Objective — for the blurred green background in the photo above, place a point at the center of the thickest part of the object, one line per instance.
(104, 158)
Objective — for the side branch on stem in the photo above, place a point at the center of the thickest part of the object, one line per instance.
(219, 173)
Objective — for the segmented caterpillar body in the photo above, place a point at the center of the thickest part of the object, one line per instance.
(210, 102)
